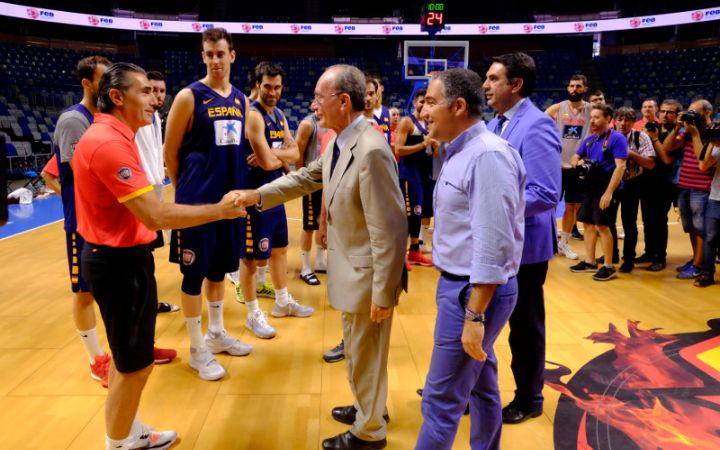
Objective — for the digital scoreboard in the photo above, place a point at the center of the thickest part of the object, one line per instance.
(432, 16)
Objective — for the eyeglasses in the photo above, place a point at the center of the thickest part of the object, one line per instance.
(319, 99)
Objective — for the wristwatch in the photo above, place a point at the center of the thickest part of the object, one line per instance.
(472, 316)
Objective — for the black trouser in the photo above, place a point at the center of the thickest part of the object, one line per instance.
(629, 205)
(657, 197)
(527, 335)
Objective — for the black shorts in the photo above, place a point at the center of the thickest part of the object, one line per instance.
(428, 189)
(312, 205)
(207, 251)
(591, 213)
(264, 231)
(74, 244)
(572, 189)
(122, 280)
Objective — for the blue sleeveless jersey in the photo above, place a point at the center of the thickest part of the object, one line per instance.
(384, 122)
(212, 155)
(67, 179)
(413, 167)
(274, 135)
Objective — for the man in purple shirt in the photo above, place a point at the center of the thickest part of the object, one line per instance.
(477, 245)
(508, 82)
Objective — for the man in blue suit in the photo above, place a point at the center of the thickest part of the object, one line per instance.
(509, 81)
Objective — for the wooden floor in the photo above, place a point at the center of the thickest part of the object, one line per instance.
(280, 396)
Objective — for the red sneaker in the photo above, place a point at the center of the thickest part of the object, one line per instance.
(416, 257)
(164, 355)
(100, 368)
(408, 266)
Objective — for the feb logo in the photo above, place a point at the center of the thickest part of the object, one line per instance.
(697, 16)
(145, 24)
(196, 27)
(528, 28)
(124, 173)
(246, 28)
(264, 244)
(339, 29)
(579, 26)
(188, 257)
(295, 28)
(93, 20)
(387, 29)
(482, 29)
(33, 13)
(635, 22)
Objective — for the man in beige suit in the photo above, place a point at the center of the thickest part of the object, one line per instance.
(367, 233)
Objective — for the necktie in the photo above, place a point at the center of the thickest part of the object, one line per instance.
(335, 156)
(501, 121)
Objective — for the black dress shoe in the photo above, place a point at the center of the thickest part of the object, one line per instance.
(348, 441)
(626, 267)
(512, 413)
(346, 414)
(642, 259)
(656, 266)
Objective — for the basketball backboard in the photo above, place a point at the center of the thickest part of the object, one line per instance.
(420, 58)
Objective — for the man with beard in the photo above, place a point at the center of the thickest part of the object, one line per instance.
(71, 125)
(266, 231)
(572, 117)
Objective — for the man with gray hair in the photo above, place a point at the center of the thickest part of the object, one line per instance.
(367, 231)
(477, 246)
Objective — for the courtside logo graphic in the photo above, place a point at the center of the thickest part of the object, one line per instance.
(197, 26)
(484, 29)
(697, 16)
(390, 29)
(95, 21)
(651, 391)
(296, 28)
(634, 23)
(533, 28)
(35, 13)
(149, 24)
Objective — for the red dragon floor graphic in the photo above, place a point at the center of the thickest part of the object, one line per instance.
(653, 391)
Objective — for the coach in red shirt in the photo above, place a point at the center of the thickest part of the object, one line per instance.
(117, 213)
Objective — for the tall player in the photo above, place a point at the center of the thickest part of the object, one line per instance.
(414, 147)
(266, 232)
(205, 156)
(71, 125)
(381, 114)
(572, 117)
(309, 137)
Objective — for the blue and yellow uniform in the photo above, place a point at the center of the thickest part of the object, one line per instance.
(265, 230)
(72, 124)
(211, 162)
(383, 120)
(413, 170)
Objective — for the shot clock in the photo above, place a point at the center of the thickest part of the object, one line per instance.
(432, 16)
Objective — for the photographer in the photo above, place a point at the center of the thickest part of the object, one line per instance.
(693, 184)
(641, 160)
(708, 154)
(661, 186)
(600, 161)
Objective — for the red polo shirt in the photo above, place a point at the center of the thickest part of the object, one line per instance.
(108, 173)
(52, 167)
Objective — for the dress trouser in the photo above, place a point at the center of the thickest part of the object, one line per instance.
(455, 378)
(366, 353)
(527, 336)
(629, 206)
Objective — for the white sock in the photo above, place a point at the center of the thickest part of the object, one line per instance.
(260, 275)
(252, 306)
(425, 235)
(135, 432)
(564, 237)
(305, 263)
(319, 257)
(282, 296)
(194, 327)
(215, 316)
(234, 276)
(92, 345)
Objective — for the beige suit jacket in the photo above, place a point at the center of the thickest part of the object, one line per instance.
(367, 222)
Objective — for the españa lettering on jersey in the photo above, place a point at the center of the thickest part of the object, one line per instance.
(212, 154)
(274, 135)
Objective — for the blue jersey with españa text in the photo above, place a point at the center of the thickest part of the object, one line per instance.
(274, 135)
(212, 155)
(71, 125)
(384, 122)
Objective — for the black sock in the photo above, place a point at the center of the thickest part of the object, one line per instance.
(414, 247)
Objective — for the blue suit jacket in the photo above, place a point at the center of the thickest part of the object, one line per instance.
(535, 136)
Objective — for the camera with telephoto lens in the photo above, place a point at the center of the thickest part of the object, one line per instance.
(651, 126)
(586, 168)
(693, 118)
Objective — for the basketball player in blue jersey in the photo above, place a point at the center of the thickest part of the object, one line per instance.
(266, 232)
(414, 147)
(71, 125)
(381, 114)
(205, 148)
